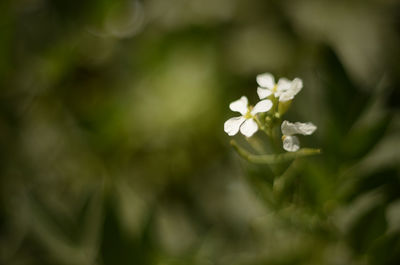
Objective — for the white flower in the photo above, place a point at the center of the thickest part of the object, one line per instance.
(284, 90)
(246, 122)
(290, 142)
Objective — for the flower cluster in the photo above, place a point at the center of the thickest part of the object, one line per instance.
(272, 95)
(284, 90)
(290, 142)
(246, 122)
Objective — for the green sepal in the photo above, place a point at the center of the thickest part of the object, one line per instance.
(283, 107)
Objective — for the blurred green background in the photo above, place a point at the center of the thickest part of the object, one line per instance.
(112, 149)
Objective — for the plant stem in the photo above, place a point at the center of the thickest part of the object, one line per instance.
(273, 159)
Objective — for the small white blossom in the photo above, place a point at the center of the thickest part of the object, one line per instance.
(284, 90)
(245, 123)
(290, 142)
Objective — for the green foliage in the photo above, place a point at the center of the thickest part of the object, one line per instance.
(112, 142)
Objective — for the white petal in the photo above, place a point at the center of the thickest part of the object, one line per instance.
(262, 106)
(286, 96)
(231, 126)
(249, 127)
(266, 80)
(289, 128)
(263, 92)
(297, 84)
(306, 128)
(283, 84)
(239, 105)
(291, 143)
(295, 87)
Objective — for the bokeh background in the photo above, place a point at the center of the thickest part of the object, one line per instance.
(112, 148)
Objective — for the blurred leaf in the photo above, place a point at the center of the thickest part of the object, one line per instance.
(386, 250)
(346, 100)
(72, 242)
(385, 179)
(368, 229)
(362, 139)
(117, 246)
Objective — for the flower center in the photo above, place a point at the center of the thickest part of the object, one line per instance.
(248, 115)
(275, 88)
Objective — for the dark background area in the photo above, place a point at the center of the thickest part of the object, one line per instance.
(112, 149)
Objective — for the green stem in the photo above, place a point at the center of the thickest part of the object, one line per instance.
(261, 125)
(273, 159)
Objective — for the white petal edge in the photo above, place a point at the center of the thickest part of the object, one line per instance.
(240, 105)
(289, 128)
(286, 96)
(297, 84)
(307, 128)
(283, 84)
(262, 106)
(266, 80)
(291, 143)
(295, 87)
(249, 127)
(263, 92)
(231, 126)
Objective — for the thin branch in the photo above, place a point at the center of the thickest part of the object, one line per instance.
(273, 159)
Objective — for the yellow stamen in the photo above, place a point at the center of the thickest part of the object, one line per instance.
(248, 115)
